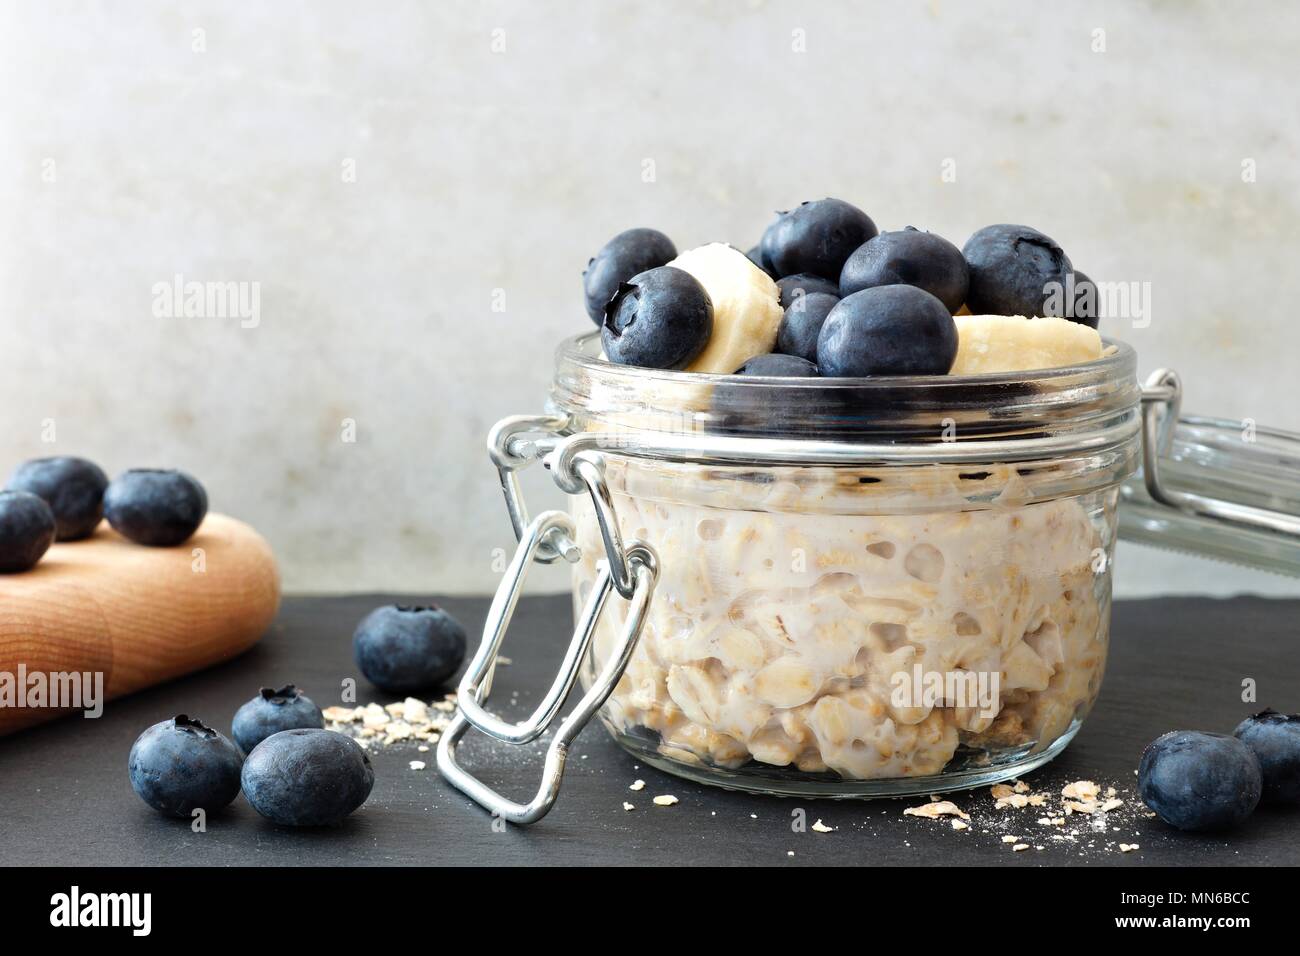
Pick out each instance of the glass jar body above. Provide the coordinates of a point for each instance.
(878, 628)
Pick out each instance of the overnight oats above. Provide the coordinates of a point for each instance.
(843, 509)
(856, 629)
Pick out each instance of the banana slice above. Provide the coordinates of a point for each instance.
(1013, 343)
(746, 306)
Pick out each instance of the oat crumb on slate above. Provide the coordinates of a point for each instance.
(1011, 839)
(820, 827)
(1019, 846)
(1128, 847)
(667, 800)
(932, 811)
(959, 824)
(417, 764)
(628, 806)
(637, 785)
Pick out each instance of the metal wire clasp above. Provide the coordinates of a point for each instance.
(1164, 390)
(632, 571)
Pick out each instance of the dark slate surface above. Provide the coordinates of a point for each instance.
(1175, 663)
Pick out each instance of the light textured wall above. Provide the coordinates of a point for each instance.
(133, 148)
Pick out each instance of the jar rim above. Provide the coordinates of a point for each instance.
(583, 351)
(598, 395)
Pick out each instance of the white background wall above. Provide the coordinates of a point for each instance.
(133, 148)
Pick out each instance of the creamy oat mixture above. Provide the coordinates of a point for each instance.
(776, 628)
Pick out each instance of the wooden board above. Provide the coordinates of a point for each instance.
(134, 614)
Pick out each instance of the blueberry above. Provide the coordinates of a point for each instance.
(788, 366)
(180, 765)
(802, 323)
(156, 507)
(792, 287)
(1015, 270)
(658, 319)
(1275, 739)
(1199, 781)
(406, 649)
(72, 487)
(307, 777)
(272, 711)
(755, 255)
(1086, 305)
(817, 237)
(26, 530)
(909, 257)
(618, 260)
(890, 330)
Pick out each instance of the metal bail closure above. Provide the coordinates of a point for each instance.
(476, 685)
(1163, 389)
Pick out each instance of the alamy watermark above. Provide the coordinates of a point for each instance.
(976, 690)
(180, 299)
(58, 690)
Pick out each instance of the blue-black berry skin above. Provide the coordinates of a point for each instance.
(755, 255)
(890, 330)
(72, 487)
(1014, 271)
(180, 765)
(407, 649)
(307, 777)
(27, 530)
(802, 324)
(776, 365)
(1199, 781)
(1275, 740)
(1086, 306)
(627, 254)
(271, 711)
(791, 287)
(156, 507)
(909, 257)
(658, 319)
(817, 238)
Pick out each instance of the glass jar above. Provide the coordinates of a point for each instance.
(830, 587)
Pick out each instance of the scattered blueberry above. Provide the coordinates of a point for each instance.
(180, 765)
(788, 366)
(909, 257)
(156, 507)
(1275, 739)
(658, 319)
(272, 711)
(1014, 271)
(1086, 305)
(1199, 781)
(802, 323)
(72, 487)
(628, 253)
(792, 287)
(817, 237)
(890, 330)
(26, 530)
(307, 777)
(407, 649)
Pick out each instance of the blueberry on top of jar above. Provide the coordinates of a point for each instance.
(888, 330)
(817, 237)
(792, 287)
(909, 257)
(1015, 270)
(658, 319)
(802, 324)
(630, 252)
